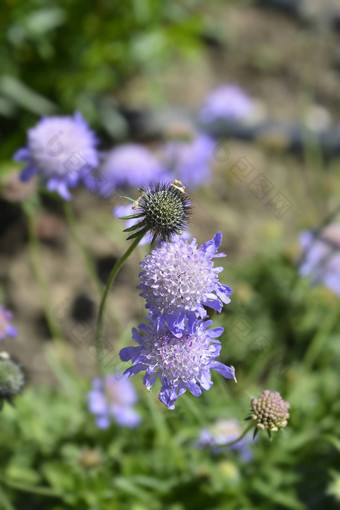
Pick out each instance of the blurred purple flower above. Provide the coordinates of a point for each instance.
(62, 150)
(113, 397)
(223, 432)
(180, 363)
(178, 280)
(190, 160)
(321, 257)
(126, 165)
(6, 328)
(126, 210)
(228, 102)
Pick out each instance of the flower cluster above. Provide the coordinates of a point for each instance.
(113, 397)
(189, 158)
(129, 164)
(62, 150)
(270, 411)
(178, 280)
(228, 102)
(180, 363)
(321, 256)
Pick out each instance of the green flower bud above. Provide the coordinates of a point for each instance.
(163, 210)
(11, 378)
(269, 411)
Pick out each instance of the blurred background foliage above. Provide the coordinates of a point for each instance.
(61, 56)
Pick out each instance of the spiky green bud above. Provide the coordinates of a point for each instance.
(163, 210)
(11, 378)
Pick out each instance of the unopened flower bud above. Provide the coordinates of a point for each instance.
(11, 378)
(269, 411)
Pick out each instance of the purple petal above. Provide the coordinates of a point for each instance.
(227, 372)
(128, 353)
(27, 173)
(194, 389)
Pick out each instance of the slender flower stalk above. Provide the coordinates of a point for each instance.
(100, 323)
(240, 437)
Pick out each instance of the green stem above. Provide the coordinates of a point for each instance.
(39, 274)
(69, 215)
(112, 277)
(320, 338)
(43, 491)
(231, 443)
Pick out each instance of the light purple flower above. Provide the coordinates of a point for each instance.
(321, 256)
(178, 279)
(62, 150)
(126, 210)
(228, 102)
(180, 363)
(222, 432)
(190, 160)
(126, 165)
(113, 398)
(6, 327)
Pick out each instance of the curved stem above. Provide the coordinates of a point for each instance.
(36, 262)
(43, 491)
(112, 277)
(231, 443)
(69, 215)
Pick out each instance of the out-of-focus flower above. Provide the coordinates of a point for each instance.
(223, 432)
(189, 159)
(130, 164)
(321, 256)
(270, 411)
(6, 327)
(11, 378)
(126, 210)
(113, 398)
(228, 102)
(162, 210)
(180, 363)
(13, 189)
(179, 279)
(62, 150)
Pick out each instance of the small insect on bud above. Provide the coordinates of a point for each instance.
(269, 411)
(163, 210)
(11, 378)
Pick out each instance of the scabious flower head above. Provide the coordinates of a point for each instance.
(321, 256)
(180, 363)
(62, 150)
(122, 211)
(222, 432)
(130, 164)
(113, 398)
(178, 279)
(11, 378)
(6, 327)
(162, 210)
(228, 102)
(189, 159)
(269, 411)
